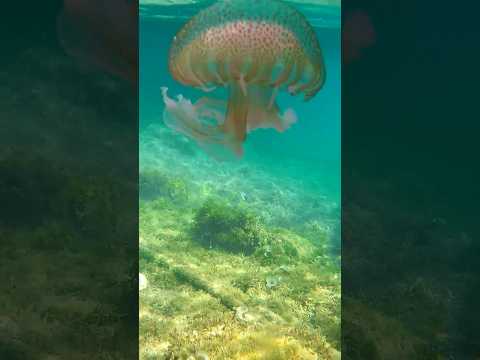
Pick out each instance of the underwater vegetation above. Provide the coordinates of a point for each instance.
(154, 184)
(236, 229)
(254, 48)
(218, 225)
(223, 284)
(229, 305)
(44, 259)
(27, 187)
(423, 251)
(283, 200)
(68, 244)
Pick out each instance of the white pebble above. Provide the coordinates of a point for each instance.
(142, 281)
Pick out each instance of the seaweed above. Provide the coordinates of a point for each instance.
(155, 184)
(233, 229)
(213, 296)
(29, 186)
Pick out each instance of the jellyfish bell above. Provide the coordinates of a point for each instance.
(254, 48)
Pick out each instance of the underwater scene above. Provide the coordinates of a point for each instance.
(239, 235)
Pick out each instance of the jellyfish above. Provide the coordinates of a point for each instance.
(102, 33)
(253, 48)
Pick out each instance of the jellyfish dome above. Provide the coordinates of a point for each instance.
(255, 48)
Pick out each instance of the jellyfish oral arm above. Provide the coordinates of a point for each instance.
(235, 125)
(213, 121)
(265, 113)
(251, 109)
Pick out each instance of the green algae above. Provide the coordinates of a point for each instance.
(155, 184)
(61, 293)
(207, 268)
(218, 225)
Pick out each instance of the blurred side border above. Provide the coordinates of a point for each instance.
(68, 189)
(410, 248)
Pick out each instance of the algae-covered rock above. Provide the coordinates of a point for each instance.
(233, 229)
(155, 184)
(237, 230)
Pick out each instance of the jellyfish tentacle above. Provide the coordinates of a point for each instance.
(272, 98)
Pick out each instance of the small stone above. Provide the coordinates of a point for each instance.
(201, 355)
(241, 314)
(142, 282)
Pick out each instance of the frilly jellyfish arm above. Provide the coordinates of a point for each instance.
(201, 121)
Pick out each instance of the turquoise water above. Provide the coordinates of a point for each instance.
(311, 147)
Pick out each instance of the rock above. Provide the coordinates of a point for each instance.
(142, 282)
